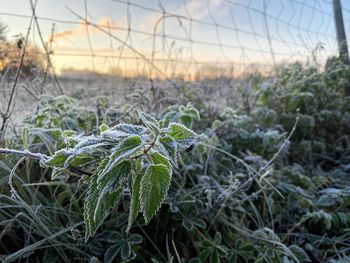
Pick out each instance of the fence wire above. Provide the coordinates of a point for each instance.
(191, 39)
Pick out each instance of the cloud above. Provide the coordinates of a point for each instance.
(200, 9)
(197, 9)
(80, 29)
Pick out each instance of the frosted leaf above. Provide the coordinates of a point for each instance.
(158, 158)
(150, 122)
(125, 148)
(102, 196)
(58, 159)
(168, 147)
(122, 131)
(154, 188)
(182, 135)
(134, 199)
(88, 144)
(169, 117)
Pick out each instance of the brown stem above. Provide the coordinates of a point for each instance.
(146, 150)
(7, 114)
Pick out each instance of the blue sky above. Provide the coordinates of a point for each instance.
(221, 31)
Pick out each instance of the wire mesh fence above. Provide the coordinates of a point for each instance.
(190, 38)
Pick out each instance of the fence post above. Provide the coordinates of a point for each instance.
(341, 37)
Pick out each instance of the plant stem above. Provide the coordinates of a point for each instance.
(25, 153)
(7, 114)
(38, 156)
(145, 151)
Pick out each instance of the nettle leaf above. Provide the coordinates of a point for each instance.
(182, 135)
(122, 247)
(193, 112)
(135, 239)
(103, 195)
(131, 129)
(299, 253)
(85, 142)
(135, 199)
(87, 145)
(150, 122)
(126, 251)
(111, 182)
(111, 253)
(170, 116)
(158, 158)
(154, 187)
(168, 147)
(89, 208)
(84, 145)
(58, 159)
(127, 147)
(123, 130)
(148, 190)
(103, 127)
(186, 120)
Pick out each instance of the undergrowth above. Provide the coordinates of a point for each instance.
(264, 183)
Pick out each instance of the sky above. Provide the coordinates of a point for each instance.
(163, 36)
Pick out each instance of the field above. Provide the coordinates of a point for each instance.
(256, 170)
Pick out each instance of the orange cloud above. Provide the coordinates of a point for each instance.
(80, 29)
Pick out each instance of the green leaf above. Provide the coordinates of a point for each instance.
(114, 237)
(299, 253)
(86, 145)
(123, 130)
(89, 208)
(214, 257)
(69, 133)
(125, 251)
(150, 122)
(158, 158)
(204, 255)
(25, 137)
(186, 120)
(217, 238)
(111, 184)
(135, 239)
(193, 112)
(126, 148)
(103, 195)
(221, 251)
(104, 127)
(111, 253)
(58, 159)
(154, 187)
(198, 222)
(170, 116)
(87, 142)
(94, 260)
(54, 133)
(135, 200)
(182, 135)
(187, 224)
(168, 147)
